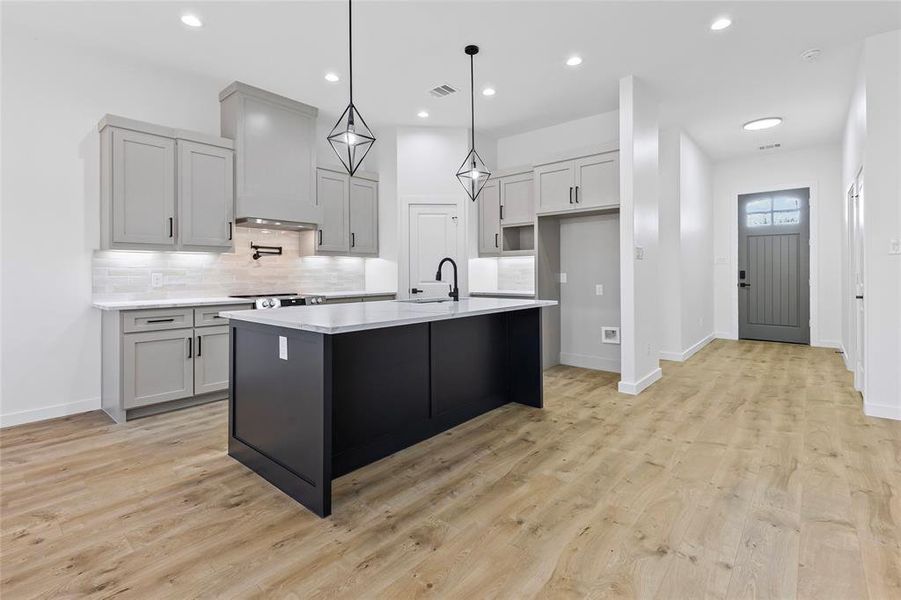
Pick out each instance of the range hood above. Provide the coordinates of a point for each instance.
(258, 223)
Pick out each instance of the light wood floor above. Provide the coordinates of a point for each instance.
(749, 471)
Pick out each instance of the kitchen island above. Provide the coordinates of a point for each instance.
(318, 391)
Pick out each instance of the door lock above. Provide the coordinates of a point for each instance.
(415, 291)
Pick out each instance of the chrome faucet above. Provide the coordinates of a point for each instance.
(455, 292)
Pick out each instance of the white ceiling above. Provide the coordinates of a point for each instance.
(709, 82)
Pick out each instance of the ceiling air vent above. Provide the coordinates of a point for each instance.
(442, 90)
(769, 147)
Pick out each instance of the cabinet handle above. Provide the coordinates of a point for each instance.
(570, 194)
(190, 346)
(495, 241)
(171, 226)
(577, 194)
(229, 230)
(160, 320)
(502, 212)
(353, 239)
(320, 237)
(199, 338)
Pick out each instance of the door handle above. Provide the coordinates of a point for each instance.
(190, 347)
(858, 297)
(199, 338)
(415, 291)
(570, 194)
(744, 285)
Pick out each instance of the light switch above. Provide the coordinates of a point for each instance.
(895, 247)
(562, 277)
(639, 253)
(156, 280)
(283, 347)
(599, 290)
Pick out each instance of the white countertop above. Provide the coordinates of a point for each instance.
(214, 300)
(343, 318)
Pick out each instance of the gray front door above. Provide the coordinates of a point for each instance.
(774, 266)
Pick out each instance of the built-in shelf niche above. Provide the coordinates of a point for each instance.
(519, 240)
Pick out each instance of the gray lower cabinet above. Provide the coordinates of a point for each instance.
(157, 366)
(154, 360)
(210, 359)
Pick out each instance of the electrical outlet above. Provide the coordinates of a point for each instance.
(894, 247)
(599, 290)
(639, 253)
(562, 277)
(156, 280)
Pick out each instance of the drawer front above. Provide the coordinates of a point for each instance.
(205, 316)
(157, 319)
(379, 298)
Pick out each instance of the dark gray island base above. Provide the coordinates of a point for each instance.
(335, 402)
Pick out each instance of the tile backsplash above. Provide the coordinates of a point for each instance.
(516, 274)
(124, 275)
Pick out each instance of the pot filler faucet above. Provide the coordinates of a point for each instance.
(455, 292)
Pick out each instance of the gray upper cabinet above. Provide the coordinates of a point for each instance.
(157, 367)
(210, 359)
(163, 188)
(141, 179)
(350, 210)
(587, 182)
(517, 198)
(205, 194)
(489, 202)
(364, 217)
(332, 192)
(275, 154)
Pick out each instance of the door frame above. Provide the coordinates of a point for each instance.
(463, 238)
(813, 265)
(857, 331)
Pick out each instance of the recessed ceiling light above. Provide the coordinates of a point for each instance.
(422, 114)
(488, 91)
(191, 20)
(331, 77)
(765, 123)
(720, 24)
(574, 61)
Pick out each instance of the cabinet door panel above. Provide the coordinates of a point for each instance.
(489, 202)
(554, 186)
(364, 217)
(157, 367)
(143, 198)
(206, 195)
(598, 180)
(518, 198)
(211, 359)
(332, 192)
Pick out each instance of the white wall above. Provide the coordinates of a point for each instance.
(639, 191)
(819, 168)
(531, 147)
(52, 98)
(873, 141)
(686, 246)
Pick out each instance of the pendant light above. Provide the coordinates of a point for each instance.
(473, 173)
(351, 138)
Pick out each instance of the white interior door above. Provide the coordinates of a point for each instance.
(433, 235)
(857, 266)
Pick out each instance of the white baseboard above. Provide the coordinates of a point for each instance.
(724, 335)
(883, 411)
(49, 412)
(627, 387)
(687, 353)
(826, 344)
(846, 359)
(587, 361)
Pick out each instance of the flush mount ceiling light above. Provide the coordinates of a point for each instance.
(191, 20)
(765, 123)
(489, 91)
(351, 138)
(332, 78)
(422, 114)
(811, 55)
(720, 24)
(574, 61)
(473, 174)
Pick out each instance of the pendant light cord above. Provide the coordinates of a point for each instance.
(472, 100)
(350, 47)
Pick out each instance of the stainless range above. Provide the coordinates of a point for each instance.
(261, 301)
